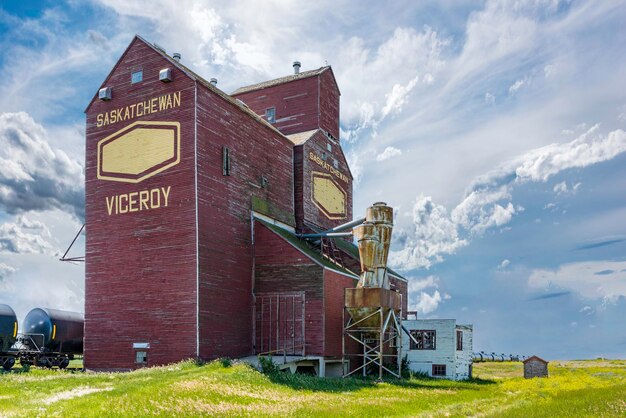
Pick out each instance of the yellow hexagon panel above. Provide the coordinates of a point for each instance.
(139, 151)
(328, 196)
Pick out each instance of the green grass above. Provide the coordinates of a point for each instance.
(576, 388)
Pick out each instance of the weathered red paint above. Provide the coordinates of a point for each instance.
(306, 211)
(144, 269)
(280, 267)
(183, 277)
(301, 105)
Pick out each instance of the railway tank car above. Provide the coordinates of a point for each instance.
(53, 337)
(8, 335)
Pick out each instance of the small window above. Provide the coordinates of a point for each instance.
(426, 339)
(136, 76)
(329, 147)
(225, 161)
(459, 340)
(323, 156)
(270, 115)
(335, 163)
(439, 369)
(141, 357)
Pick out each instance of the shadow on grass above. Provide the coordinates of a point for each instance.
(351, 384)
(22, 369)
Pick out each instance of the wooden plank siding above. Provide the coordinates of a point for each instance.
(140, 271)
(296, 104)
(224, 202)
(317, 145)
(182, 276)
(334, 286)
(143, 269)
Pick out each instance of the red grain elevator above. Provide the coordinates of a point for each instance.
(193, 201)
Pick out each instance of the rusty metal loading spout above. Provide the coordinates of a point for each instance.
(374, 239)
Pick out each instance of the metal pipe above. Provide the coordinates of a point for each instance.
(326, 234)
(409, 334)
(347, 225)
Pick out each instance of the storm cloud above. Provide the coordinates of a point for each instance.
(33, 175)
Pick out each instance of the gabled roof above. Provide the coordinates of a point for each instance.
(191, 74)
(281, 80)
(301, 138)
(302, 246)
(534, 358)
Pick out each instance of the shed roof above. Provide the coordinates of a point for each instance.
(280, 80)
(304, 248)
(301, 137)
(535, 358)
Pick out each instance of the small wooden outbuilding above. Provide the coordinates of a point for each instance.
(535, 367)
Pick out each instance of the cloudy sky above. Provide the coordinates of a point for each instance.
(495, 128)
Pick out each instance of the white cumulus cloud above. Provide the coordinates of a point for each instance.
(516, 86)
(433, 234)
(5, 271)
(388, 153)
(604, 280)
(416, 285)
(427, 303)
(504, 264)
(488, 201)
(24, 237)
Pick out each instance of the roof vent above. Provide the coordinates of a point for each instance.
(105, 93)
(296, 67)
(176, 56)
(214, 81)
(165, 75)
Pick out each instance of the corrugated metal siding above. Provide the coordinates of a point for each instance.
(401, 286)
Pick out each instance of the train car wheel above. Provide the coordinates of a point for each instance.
(64, 363)
(8, 363)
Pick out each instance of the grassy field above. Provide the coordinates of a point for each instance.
(574, 388)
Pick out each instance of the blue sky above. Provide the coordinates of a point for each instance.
(495, 128)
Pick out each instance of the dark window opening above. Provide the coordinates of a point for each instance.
(141, 357)
(424, 339)
(459, 340)
(270, 115)
(439, 369)
(136, 76)
(226, 161)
